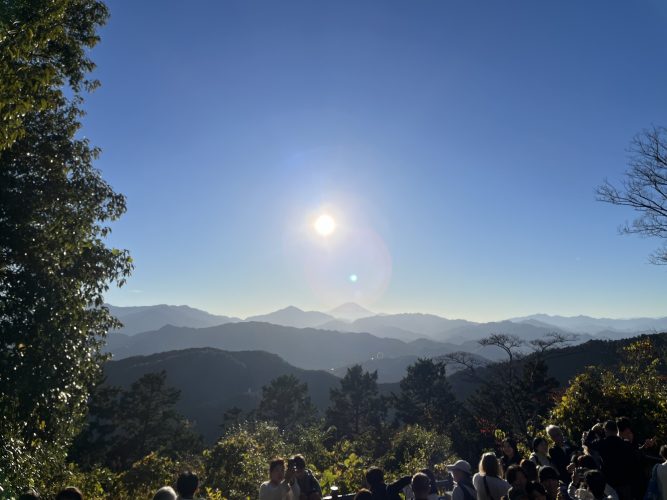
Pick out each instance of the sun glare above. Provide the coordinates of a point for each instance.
(325, 225)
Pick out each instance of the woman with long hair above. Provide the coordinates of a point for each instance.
(488, 482)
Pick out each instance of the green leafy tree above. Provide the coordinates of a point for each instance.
(54, 214)
(125, 426)
(231, 418)
(92, 447)
(426, 397)
(238, 463)
(356, 407)
(149, 474)
(286, 403)
(414, 448)
(148, 422)
(636, 388)
(43, 49)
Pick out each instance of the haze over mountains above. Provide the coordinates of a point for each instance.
(335, 340)
(351, 317)
(221, 362)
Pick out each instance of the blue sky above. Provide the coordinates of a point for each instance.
(457, 144)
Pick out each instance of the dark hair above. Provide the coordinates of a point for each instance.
(512, 444)
(610, 426)
(431, 476)
(516, 494)
(489, 465)
(534, 487)
(663, 451)
(363, 494)
(69, 493)
(538, 441)
(299, 461)
(374, 476)
(588, 462)
(512, 472)
(530, 469)
(623, 423)
(596, 482)
(421, 484)
(547, 473)
(186, 484)
(276, 462)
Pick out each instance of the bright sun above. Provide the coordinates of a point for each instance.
(325, 225)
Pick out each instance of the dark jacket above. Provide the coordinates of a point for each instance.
(309, 484)
(618, 462)
(391, 491)
(560, 458)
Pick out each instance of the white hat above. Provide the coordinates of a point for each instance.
(461, 465)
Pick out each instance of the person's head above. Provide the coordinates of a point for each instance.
(587, 462)
(69, 493)
(530, 469)
(431, 476)
(29, 494)
(421, 485)
(556, 434)
(540, 446)
(277, 470)
(516, 477)
(460, 470)
(610, 428)
(550, 479)
(300, 465)
(165, 493)
(489, 465)
(624, 429)
(509, 448)
(596, 483)
(374, 476)
(663, 452)
(363, 494)
(517, 494)
(187, 484)
(536, 491)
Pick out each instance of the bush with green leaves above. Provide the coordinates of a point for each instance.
(238, 463)
(636, 389)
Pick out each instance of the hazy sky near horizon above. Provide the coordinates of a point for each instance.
(457, 145)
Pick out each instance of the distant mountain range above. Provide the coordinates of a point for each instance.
(145, 318)
(351, 317)
(293, 316)
(334, 341)
(613, 328)
(307, 348)
(350, 312)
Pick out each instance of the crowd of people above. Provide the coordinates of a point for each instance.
(608, 465)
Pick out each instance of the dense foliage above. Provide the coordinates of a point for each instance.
(54, 214)
(285, 401)
(637, 389)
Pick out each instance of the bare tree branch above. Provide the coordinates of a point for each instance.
(644, 188)
(552, 340)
